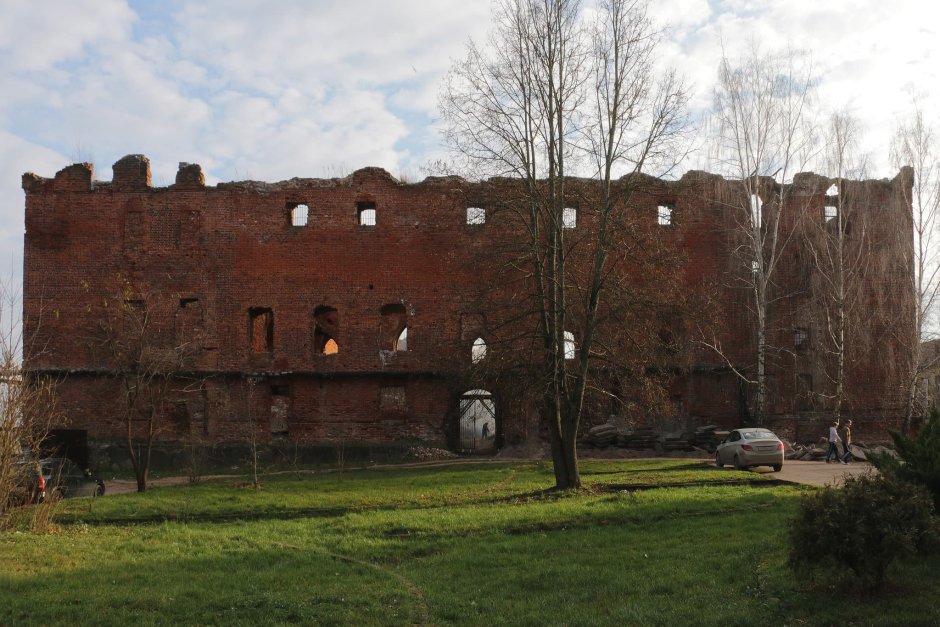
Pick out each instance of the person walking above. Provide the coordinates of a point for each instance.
(834, 440)
(847, 441)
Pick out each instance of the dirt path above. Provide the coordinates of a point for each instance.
(807, 472)
(123, 486)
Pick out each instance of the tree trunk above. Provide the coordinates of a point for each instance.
(563, 440)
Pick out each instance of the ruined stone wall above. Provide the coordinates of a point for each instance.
(223, 268)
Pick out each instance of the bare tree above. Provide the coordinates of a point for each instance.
(150, 367)
(763, 139)
(27, 406)
(552, 94)
(840, 249)
(915, 144)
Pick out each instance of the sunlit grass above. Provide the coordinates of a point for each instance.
(462, 544)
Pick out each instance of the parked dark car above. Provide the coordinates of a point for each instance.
(64, 479)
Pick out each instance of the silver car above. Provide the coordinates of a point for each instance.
(750, 447)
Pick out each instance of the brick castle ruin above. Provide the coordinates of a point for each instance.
(345, 310)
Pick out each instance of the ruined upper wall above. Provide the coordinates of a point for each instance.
(132, 173)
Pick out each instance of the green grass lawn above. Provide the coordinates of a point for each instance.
(474, 544)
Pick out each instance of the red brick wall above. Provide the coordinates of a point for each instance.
(204, 258)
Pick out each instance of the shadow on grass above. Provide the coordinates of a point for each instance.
(696, 465)
(548, 495)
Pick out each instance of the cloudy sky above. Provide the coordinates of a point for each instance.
(280, 88)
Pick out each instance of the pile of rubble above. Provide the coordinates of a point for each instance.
(707, 437)
(704, 438)
(601, 436)
(609, 434)
(426, 454)
(817, 451)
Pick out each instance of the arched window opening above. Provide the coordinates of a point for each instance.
(833, 190)
(325, 330)
(478, 350)
(477, 421)
(569, 345)
(393, 333)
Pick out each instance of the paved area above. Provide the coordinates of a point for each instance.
(817, 473)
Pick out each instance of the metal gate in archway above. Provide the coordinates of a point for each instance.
(477, 421)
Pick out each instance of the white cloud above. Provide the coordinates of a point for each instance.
(36, 35)
(18, 155)
(333, 42)
(295, 88)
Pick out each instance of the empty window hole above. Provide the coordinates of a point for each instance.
(365, 213)
(393, 333)
(261, 329)
(476, 215)
(325, 330)
(664, 215)
(299, 215)
(478, 350)
(569, 218)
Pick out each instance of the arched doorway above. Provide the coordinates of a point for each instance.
(477, 421)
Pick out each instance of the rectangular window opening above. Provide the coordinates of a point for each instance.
(299, 214)
(365, 213)
(569, 218)
(664, 215)
(805, 393)
(757, 210)
(476, 215)
(830, 212)
(393, 403)
(394, 328)
(800, 339)
(261, 329)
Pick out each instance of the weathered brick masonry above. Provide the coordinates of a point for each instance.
(301, 326)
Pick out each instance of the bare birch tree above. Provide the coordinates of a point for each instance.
(763, 140)
(551, 95)
(915, 144)
(838, 242)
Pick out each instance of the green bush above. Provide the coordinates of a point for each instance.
(863, 526)
(918, 459)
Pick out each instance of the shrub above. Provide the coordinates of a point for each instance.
(862, 526)
(918, 459)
